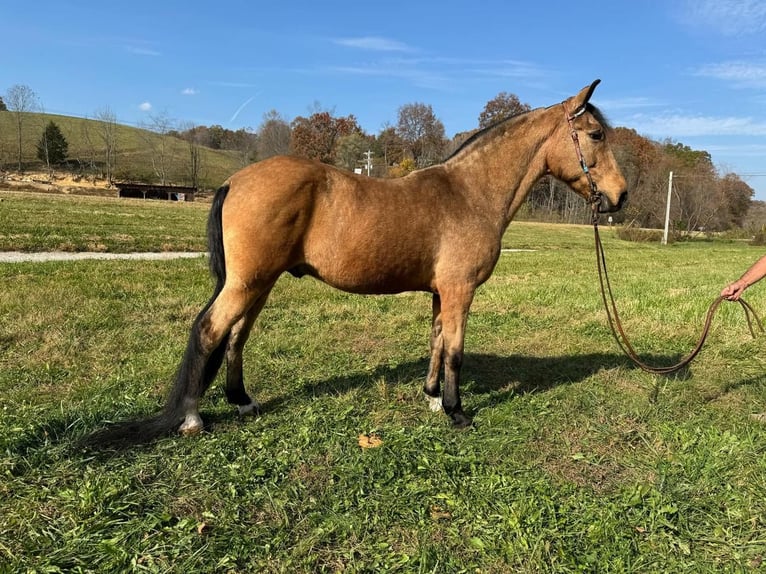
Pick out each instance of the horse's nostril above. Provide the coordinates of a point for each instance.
(622, 200)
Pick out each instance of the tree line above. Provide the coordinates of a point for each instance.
(703, 199)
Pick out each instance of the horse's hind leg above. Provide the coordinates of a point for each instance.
(235, 387)
(204, 354)
(432, 388)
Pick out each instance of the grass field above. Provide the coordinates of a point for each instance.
(578, 461)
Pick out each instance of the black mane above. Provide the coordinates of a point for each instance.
(598, 114)
(484, 131)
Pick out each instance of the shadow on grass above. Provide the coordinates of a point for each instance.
(484, 374)
(487, 379)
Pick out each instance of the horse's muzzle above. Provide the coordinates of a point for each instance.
(606, 206)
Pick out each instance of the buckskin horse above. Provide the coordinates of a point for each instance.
(437, 230)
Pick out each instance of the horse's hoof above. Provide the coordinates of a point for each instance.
(252, 409)
(460, 421)
(434, 403)
(192, 425)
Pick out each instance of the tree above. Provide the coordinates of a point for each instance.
(192, 136)
(316, 137)
(160, 125)
(245, 142)
(391, 146)
(422, 132)
(350, 150)
(501, 107)
(52, 147)
(107, 136)
(737, 197)
(273, 136)
(20, 99)
(3, 107)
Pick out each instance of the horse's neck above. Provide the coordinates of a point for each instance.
(502, 170)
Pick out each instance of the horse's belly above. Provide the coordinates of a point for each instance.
(368, 276)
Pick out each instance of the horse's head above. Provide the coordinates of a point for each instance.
(580, 154)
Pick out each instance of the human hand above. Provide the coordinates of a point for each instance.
(733, 291)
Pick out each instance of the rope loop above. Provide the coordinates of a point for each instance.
(619, 333)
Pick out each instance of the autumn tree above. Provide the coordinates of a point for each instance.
(273, 136)
(316, 136)
(20, 99)
(502, 106)
(422, 133)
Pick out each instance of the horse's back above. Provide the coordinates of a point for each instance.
(357, 233)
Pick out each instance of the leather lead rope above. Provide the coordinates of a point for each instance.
(606, 289)
(619, 333)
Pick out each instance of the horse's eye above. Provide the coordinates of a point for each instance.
(597, 135)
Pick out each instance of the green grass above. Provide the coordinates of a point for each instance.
(578, 462)
(38, 222)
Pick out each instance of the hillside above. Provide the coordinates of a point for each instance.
(135, 150)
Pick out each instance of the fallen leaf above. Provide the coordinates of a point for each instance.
(369, 441)
(439, 514)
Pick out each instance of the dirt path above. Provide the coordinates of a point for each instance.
(21, 257)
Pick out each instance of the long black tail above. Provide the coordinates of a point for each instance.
(195, 373)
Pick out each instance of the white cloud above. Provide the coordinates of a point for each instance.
(728, 17)
(443, 73)
(139, 51)
(145, 107)
(628, 103)
(234, 84)
(189, 92)
(374, 43)
(680, 125)
(740, 74)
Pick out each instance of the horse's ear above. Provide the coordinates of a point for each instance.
(579, 102)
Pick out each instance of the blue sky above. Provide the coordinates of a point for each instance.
(692, 71)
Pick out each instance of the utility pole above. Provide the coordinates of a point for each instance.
(667, 210)
(368, 161)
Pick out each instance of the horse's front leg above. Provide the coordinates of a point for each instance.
(432, 388)
(454, 316)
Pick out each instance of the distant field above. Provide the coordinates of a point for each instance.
(134, 160)
(578, 462)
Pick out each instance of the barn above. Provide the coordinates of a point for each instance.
(152, 191)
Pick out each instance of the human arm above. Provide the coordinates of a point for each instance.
(756, 272)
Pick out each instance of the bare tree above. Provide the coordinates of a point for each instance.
(20, 99)
(160, 125)
(193, 137)
(107, 137)
(422, 132)
(273, 136)
(245, 142)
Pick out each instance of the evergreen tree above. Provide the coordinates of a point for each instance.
(52, 147)
(3, 107)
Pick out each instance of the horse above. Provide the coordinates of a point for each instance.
(437, 229)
